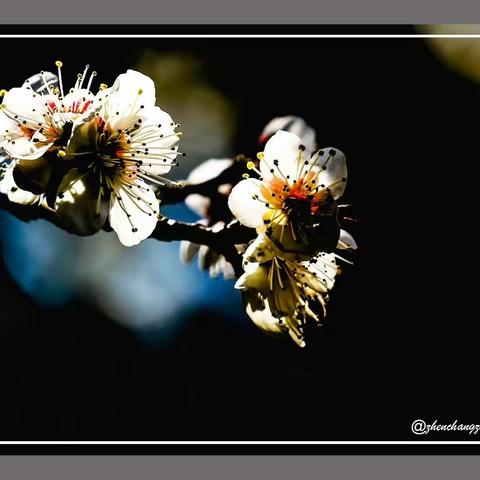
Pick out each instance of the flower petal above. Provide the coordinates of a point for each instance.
(259, 311)
(41, 83)
(98, 105)
(77, 102)
(25, 107)
(9, 130)
(9, 188)
(133, 212)
(332, 165)
(131, 92)
(207, 257)
(198, 204)
(188, 250)
(157, 139)
(284, 153)
(321, 272)
(255, 278)
(261, 250)
(18, 141)
(209, 169)
(202, 173)
(226, 268)
(296, 337)
(293, 124)
(25, 149)
(246, 209)
(346, 241)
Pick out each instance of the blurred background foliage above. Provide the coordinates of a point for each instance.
(207, 116)
(461, 54)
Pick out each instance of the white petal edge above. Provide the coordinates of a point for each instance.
(143, 218)
(209, 169)
(15, 194)
(346, 241)
(188, 251)
(27, 105)
(163, 144)
(249, 212)
(24, 149)
(294, 124)
(283, 147)
(262, 318)
(333, 170)
(130, 91)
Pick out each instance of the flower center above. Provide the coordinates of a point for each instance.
(298, 206)
(111, 147)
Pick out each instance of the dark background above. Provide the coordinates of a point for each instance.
(400, 340)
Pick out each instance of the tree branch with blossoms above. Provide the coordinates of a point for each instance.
(167, 230)
(208, 188)
(89, 162)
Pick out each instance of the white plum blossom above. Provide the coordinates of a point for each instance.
(294, 189)
(203, 206)
(283, 291)
(122, 143)
(94, 159)
(94, 156)
(35, 117)
(212, 213)
(291, 204)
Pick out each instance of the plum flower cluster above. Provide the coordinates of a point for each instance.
(292, 203)
(92, 158)
(214, 212)
(98, 161)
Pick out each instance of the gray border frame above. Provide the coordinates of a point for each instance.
(244, 12)
(238, 467)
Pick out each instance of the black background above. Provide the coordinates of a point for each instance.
(400, 341)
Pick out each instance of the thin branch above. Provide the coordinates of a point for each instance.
(222, 241)
(28, 213)
(209, 188)
(167, 230)
(168, 195)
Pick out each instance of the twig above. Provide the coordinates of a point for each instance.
(232, 174)
(222, 241)
(167, 230)
(28, 213)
